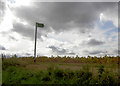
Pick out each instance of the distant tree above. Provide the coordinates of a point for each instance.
(64, 56)
(58, 56)
(89, 56)
(77, 56)
(15, 56)
(52, 56)
(2, 55)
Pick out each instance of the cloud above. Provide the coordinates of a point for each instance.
(94, 42)
(28, 54)
(60, 51)
(117, 51)
(57, 50)
(94, 52)
(2, 47)
(12, 38)
(29, 31)
(63, 15)
(72, 53)
(67, 26)
(2, 9)
(24, 30)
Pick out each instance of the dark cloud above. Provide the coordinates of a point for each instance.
(64, 15)
(2, 9)
(94, 42)
(25, 30)
(57, 50)
(117, 52)
(28, 54)
(28, 30)
(60, 51)
(95, 52)
(119, 17)
(12, 38)
(72, 53)
(2, 47)
(6, 34)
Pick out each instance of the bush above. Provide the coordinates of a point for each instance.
(9, 62)
(100, 69)
(83, 78)
(12, 62)
(107, 80)
(58, 73)
(13, 75)
(69, 74)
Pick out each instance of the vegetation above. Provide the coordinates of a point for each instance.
(81, 71)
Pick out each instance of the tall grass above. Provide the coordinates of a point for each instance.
(15, 72)
(13, 75)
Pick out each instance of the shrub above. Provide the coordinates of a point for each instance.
(13, 75)
(9, 62)
(106, 80)
(100, 69)
(58, 73)
(83, 77)
(12, 62)
(69, 74)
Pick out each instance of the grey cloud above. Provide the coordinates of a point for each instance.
(2, 47)
(60, 51)
(72, 53)
(64, 15)
(28, 54)
(12, 38)
(29, 30)
(6, 33)
(57, 50)
(94, 42)
(95, 52)
(25, 30)
(2, 9)
(117, 52)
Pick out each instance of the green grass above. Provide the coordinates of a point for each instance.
(79, 71)
(53, 75)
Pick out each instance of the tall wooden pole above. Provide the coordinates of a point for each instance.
(35, 42)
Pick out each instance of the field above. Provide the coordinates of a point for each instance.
(61, 70)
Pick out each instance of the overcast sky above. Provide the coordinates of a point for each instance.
(71, 28)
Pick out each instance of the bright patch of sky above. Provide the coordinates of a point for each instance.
(107, 26)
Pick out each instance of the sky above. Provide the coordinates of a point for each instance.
(71, 28)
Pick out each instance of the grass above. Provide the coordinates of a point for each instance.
(61, 70)
(14, 75)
